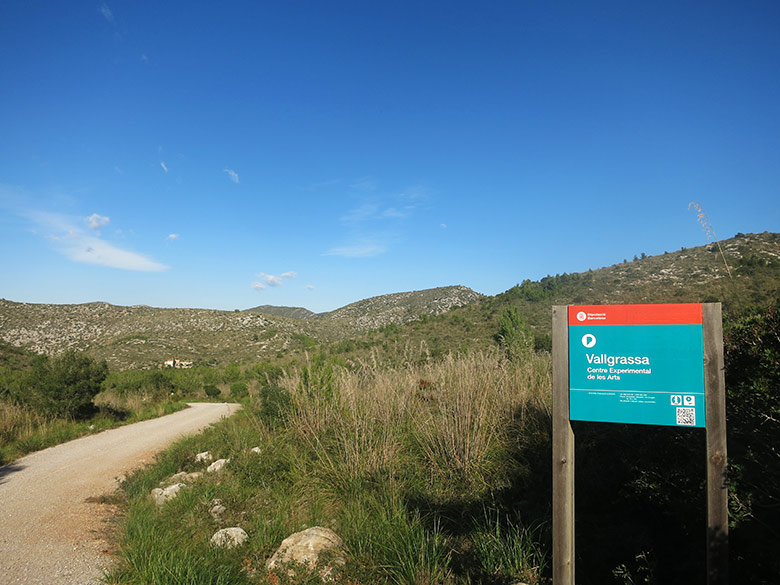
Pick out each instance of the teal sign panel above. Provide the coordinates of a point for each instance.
(640, 372)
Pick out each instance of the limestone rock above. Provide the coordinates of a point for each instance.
(204, 457)
(162, 495)
(305, 547)
(180, 477)
(217, 465)
(229, 537)
(175, 478)
(217, 509)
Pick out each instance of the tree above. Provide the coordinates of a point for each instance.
(514, 334)
(66, 385)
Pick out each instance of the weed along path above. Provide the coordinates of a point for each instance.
(52, 521)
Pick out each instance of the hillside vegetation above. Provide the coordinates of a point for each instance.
(438, 470)
(144, 337)
(423, 439)
(434, 321)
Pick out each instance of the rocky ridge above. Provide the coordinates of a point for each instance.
(144, 337)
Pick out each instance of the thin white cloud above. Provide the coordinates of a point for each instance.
(360, 250)
(74, 244)
(364, 184)
(106, 12)
(270, 279)
(93, 250)
(172, 237)
(96, 221)
(309, 287)
(290, 274)
(414, 193)
(144, 58)
(392, 212)
(364, 212)
(162, 164)
(443, 226)
(259, 286)
(233, 175)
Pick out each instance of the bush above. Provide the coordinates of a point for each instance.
(276, 403)
(211, 390)
(232, 373)
(752, 355)
(65, 386)
(239, 390)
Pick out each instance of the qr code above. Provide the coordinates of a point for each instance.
(686, 416)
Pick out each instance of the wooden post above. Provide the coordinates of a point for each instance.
(563, 454)
(717, 489)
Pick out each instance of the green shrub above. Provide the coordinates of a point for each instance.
(514, 334)
(752, 355)
(239, 390)
(211, 390)
(232, 373)
(267, 373)
(275, 404)
(66, 385)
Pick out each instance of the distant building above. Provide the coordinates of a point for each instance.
(174, 363)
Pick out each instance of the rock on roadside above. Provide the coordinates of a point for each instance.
(305, 548)
(162, 495)
(229, 538)
(217, 465)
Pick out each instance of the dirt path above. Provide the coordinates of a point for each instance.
(51, 528)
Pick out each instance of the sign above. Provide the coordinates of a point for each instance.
(641, 364)
(659, 361)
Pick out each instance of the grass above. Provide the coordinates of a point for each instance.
(24, 431)
(401, 462)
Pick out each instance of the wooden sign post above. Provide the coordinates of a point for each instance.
(639, 364)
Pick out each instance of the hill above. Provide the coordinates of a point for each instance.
(739, 272)
(144, 337)
(401, 307)
(288, 312)
(747, 273)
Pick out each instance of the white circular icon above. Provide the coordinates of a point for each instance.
(581, 316)
(589, 340)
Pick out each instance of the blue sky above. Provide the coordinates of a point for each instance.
(226, 155)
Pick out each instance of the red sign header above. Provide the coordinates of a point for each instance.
(661, 314)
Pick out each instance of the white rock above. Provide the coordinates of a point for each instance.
(305, 547)
(229, 537)
(217, 465)
(175, 478)
(217, 509)
(182, 476)
(257, 450)
(162, 495)
(204, 457)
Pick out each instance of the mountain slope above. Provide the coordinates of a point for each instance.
(288, 312)
(746, 274)
(142, 337)
(739, 272)
(402, 307)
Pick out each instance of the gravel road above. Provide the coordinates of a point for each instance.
(52, 524)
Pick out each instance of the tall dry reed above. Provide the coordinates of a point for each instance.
(451, 418)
